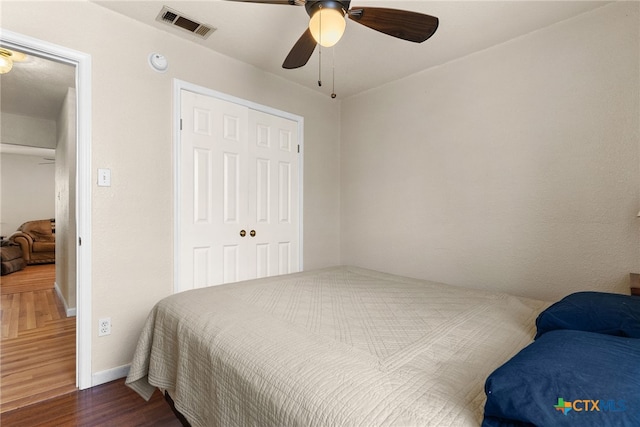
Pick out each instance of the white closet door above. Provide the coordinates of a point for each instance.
(213, 208)
(239, 193)
(273, 194)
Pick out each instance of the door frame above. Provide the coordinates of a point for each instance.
(178, 87)
(82, 63)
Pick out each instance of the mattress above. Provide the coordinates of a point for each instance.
(340, 346)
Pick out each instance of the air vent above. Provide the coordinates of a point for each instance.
(177, 19)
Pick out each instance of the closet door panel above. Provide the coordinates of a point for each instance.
(213, 190)
(274, 192)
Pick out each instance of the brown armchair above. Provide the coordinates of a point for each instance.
(37, 240)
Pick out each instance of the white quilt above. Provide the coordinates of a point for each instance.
(341, 346)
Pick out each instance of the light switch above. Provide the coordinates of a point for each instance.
(104, 177)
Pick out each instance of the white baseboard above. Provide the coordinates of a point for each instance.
(71, 312)
(109, 375)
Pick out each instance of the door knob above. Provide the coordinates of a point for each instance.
(252, 233)
(243, 233)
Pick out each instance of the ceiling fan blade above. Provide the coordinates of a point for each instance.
(288, 2)
(300, 52)
(412, 26)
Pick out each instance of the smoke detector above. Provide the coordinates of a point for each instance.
(179, 20)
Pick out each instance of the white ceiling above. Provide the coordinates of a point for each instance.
(263, 34)
(36, 87)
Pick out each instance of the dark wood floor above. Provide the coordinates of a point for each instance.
(111, 404)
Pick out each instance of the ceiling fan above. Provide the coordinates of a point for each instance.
(327, 25)
(8, 57)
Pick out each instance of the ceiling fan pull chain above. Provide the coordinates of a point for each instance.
(320, 53)
(333, 74)
(319, 65)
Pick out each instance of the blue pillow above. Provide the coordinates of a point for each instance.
(567, 378)
(605, 313)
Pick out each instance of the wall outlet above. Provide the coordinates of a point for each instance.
(104, 327)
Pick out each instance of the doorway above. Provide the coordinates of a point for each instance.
(79, 230)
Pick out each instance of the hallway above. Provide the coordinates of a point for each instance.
(38, 347)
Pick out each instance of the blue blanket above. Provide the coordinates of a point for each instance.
(567, 378)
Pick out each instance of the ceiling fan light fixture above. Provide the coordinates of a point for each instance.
(5, 64)
(15, 55)
(8, 57)
(327, 26)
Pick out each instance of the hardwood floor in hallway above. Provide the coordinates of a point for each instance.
(38, 346)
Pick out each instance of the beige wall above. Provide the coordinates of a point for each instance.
(131, 135)
(65, 199)
(31, 131)
(514, 168)
(26, 190)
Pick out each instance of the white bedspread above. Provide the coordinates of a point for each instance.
(335, 347)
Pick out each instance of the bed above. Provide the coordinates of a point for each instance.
(336, 346)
